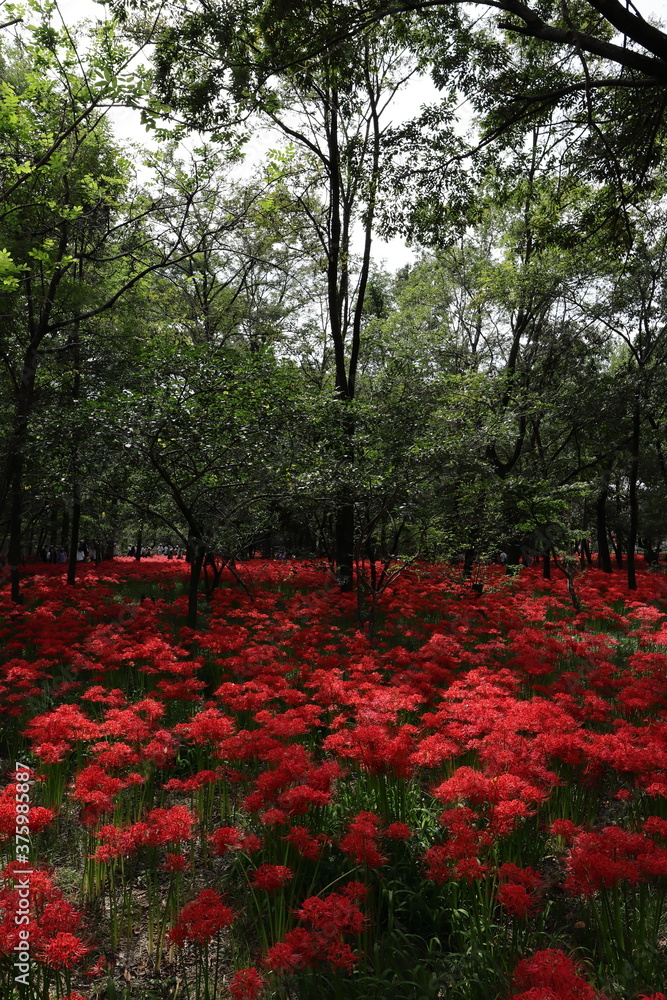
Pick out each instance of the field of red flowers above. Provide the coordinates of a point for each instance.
(473, 806)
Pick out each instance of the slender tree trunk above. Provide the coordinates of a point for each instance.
(28, 541)
(74, 536)
(53, 527)
(634, 501)
(617, 545)
(13, 480)
(345, 546)
(604, 557)
(546, 564)
(16, 509)
(76, 485)
(196, 562)
(586, 553)
(137, 551)
(64, 531)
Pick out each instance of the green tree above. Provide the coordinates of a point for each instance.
(78, 235)
(205, 443)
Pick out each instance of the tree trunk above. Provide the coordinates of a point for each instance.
(14, 554)
(74, 536)
(137, 551)
(53, 527)
(634, 501)
(546, 564)
(585, 550)
(64, 531)
(617, 544)
(196, 561)
(604, 558)
(345, 546)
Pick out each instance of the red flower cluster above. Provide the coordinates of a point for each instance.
(551, 975)
(362, 841)
(517, 718)
(322, 941)
(201, 919)
(520, 892)
(271, 877)
(602, 860)
(246, 984)
(52, 919)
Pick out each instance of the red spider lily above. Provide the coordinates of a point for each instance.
(565, 828)
(330, 918)
(376, 748)
(334, 914)
(297, 950)
(398, 831)
(477, 788)
(251, 843)
(59, 915)
(225, 838)
(552, 970)
(115, 754)
(274, 817)
(516, 900)
(161, 827)
(96, 790)
(50, 913)
(308, 846)
(102, 696)
(535, 705)
(246, 984)
(293, 722)
(655, 826)
(271, 877)
(527, 877)
(201, 919)
(361, 843)
(470, 870)
(39, 817)
(354, 890)
(198, 780)
(100, 967)
(175, 863)
(65, 724)
(63, 951)
(602, 860)
(207, 726)
(170, 826)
